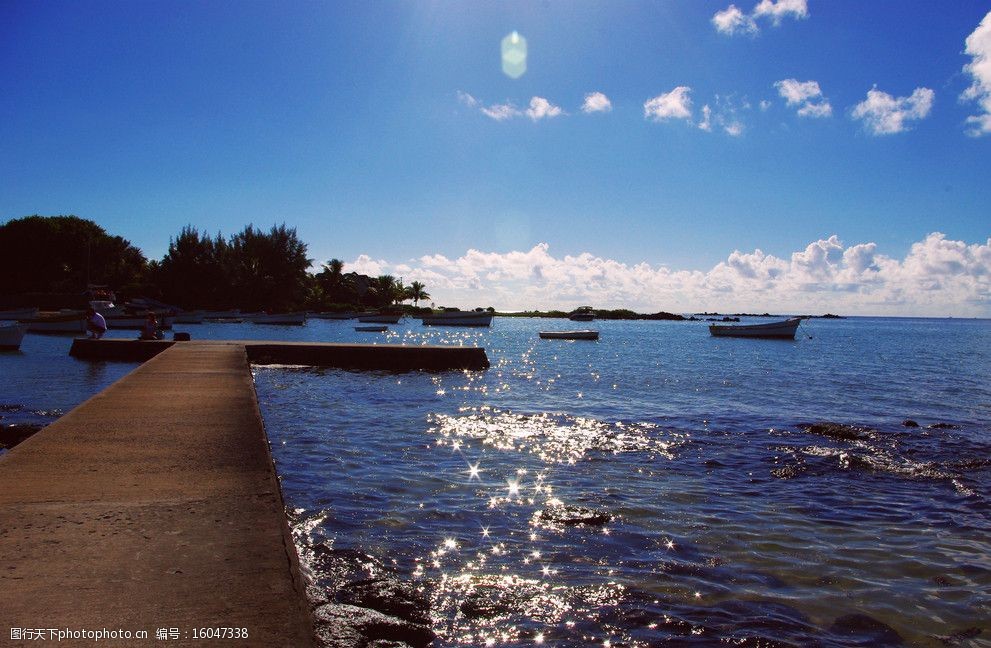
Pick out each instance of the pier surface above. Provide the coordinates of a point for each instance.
(153, 505)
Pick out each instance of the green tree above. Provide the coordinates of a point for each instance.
(62, 254)
(384, 291)
(332, 283)
(192, 273)
(269, 270)
(417, 291)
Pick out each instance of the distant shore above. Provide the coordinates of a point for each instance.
(625, 314)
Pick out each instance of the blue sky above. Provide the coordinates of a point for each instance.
(369, 127)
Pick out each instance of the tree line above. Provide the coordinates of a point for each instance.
(251, 270)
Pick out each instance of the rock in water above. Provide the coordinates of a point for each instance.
(910, 423)
(350, 626)
(389, 596)
(862, 630)
(837, 430)
(11, 435)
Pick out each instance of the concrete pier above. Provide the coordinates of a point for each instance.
(386, 357)
(153, 506)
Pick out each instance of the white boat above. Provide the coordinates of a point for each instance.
(226, 315)
(284, 319)
(136, 322)
(19, 314)
(71, 322)
(783, 330)
(379, 319)
(372, 329)
(458, 318)
(189, 317)
(569, 335)
(583, 314)
(333, 316)
(11, 334)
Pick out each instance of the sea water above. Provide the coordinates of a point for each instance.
(653, 487)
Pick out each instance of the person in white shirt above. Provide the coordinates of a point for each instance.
(95, 324)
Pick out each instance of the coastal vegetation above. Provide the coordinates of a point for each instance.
(51, 261)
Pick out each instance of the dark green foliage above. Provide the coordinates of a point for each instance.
(61, 254)
(268, 270)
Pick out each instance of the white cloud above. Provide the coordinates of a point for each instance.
(467, 99)
(596, 102)
(883, 114)
(937, 276)
(672, 105)
(725, 115)
(776, 11)
(979, 48)
(733, 128)
(731, 21)
(806, 95)
(501, 112)
(706, 123)
(540, 108)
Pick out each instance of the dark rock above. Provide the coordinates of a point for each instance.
(837, 430)
(862, 630)
(942, 426)
(342, 566)
(909, 423)
(389, 596)
(11, 435)
(662, 315)
(962, 635)
(570, 515)
(350, 626)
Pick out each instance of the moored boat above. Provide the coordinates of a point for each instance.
(11, 334)
(333, 316)
(379, 318)
(290, 319)
(70, 322)
(136, 322)
(189, 317)
(19, 314)
(458, 318)
(372, 329)
(783, 330)
(223, 316)
(582, 314)
(569, 335)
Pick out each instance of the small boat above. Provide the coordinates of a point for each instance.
(136, 322)
(189, 317)
(223, 315)
(372, 329)
(11, 334)
(70, 322)
(291, 319)
(378, 318)
(569, 335)
(458, 318)
(582, 314)
(333, 316)
(19, 314)
(783, 330)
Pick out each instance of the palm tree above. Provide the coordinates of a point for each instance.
(331, 280)
(384, 289)
(416, 292)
